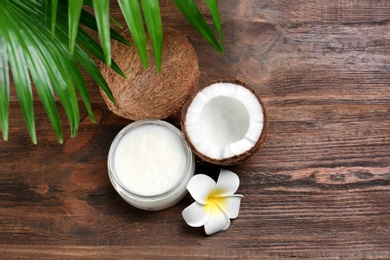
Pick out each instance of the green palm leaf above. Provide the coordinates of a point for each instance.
(15, 48)
(4, 86)
(40, 75)
(54, 6)
(213, 6)
(90, 66)
(89, 20)
(75, 7)
(102, 8)
(34, 52)
(53, 55)
(151, 10)
(193, 15)
(86, 61)
(42, 83)
(90, 43)
(132, 13)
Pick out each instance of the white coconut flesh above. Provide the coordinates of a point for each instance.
(224, 120)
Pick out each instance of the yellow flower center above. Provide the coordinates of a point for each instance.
(215, 203)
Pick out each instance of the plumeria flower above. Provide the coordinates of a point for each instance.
(215, 203)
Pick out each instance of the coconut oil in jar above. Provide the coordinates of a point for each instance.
(150, 164)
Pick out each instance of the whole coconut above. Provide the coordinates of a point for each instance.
(147, 94)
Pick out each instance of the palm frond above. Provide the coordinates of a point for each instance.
(54, 7)
(151, 10)
(131, 10)
(213, 7)
(4, 86)
(89, 21)
(50, 65)
(189, 9)
(74, 10)
(16, 46)
(89, 43)
(102, 13)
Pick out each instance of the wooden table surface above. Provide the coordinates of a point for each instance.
(318, 188)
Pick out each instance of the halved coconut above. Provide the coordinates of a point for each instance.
(225, 123)
(147, 94)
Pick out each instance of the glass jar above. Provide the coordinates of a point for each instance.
(150, 164)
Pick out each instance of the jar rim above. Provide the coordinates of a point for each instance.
(189, 159)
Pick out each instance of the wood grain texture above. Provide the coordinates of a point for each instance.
(319, 188)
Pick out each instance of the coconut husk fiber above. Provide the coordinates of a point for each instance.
(145, 94)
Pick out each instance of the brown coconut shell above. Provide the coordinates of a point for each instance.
(239, 158)
(145, 94)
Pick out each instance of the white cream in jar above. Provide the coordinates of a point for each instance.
(150, 164)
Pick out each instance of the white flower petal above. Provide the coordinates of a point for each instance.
(196, 215)
(227, 184)
(227, 225)
(218, 221)
(230, 205)
(200, 187)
